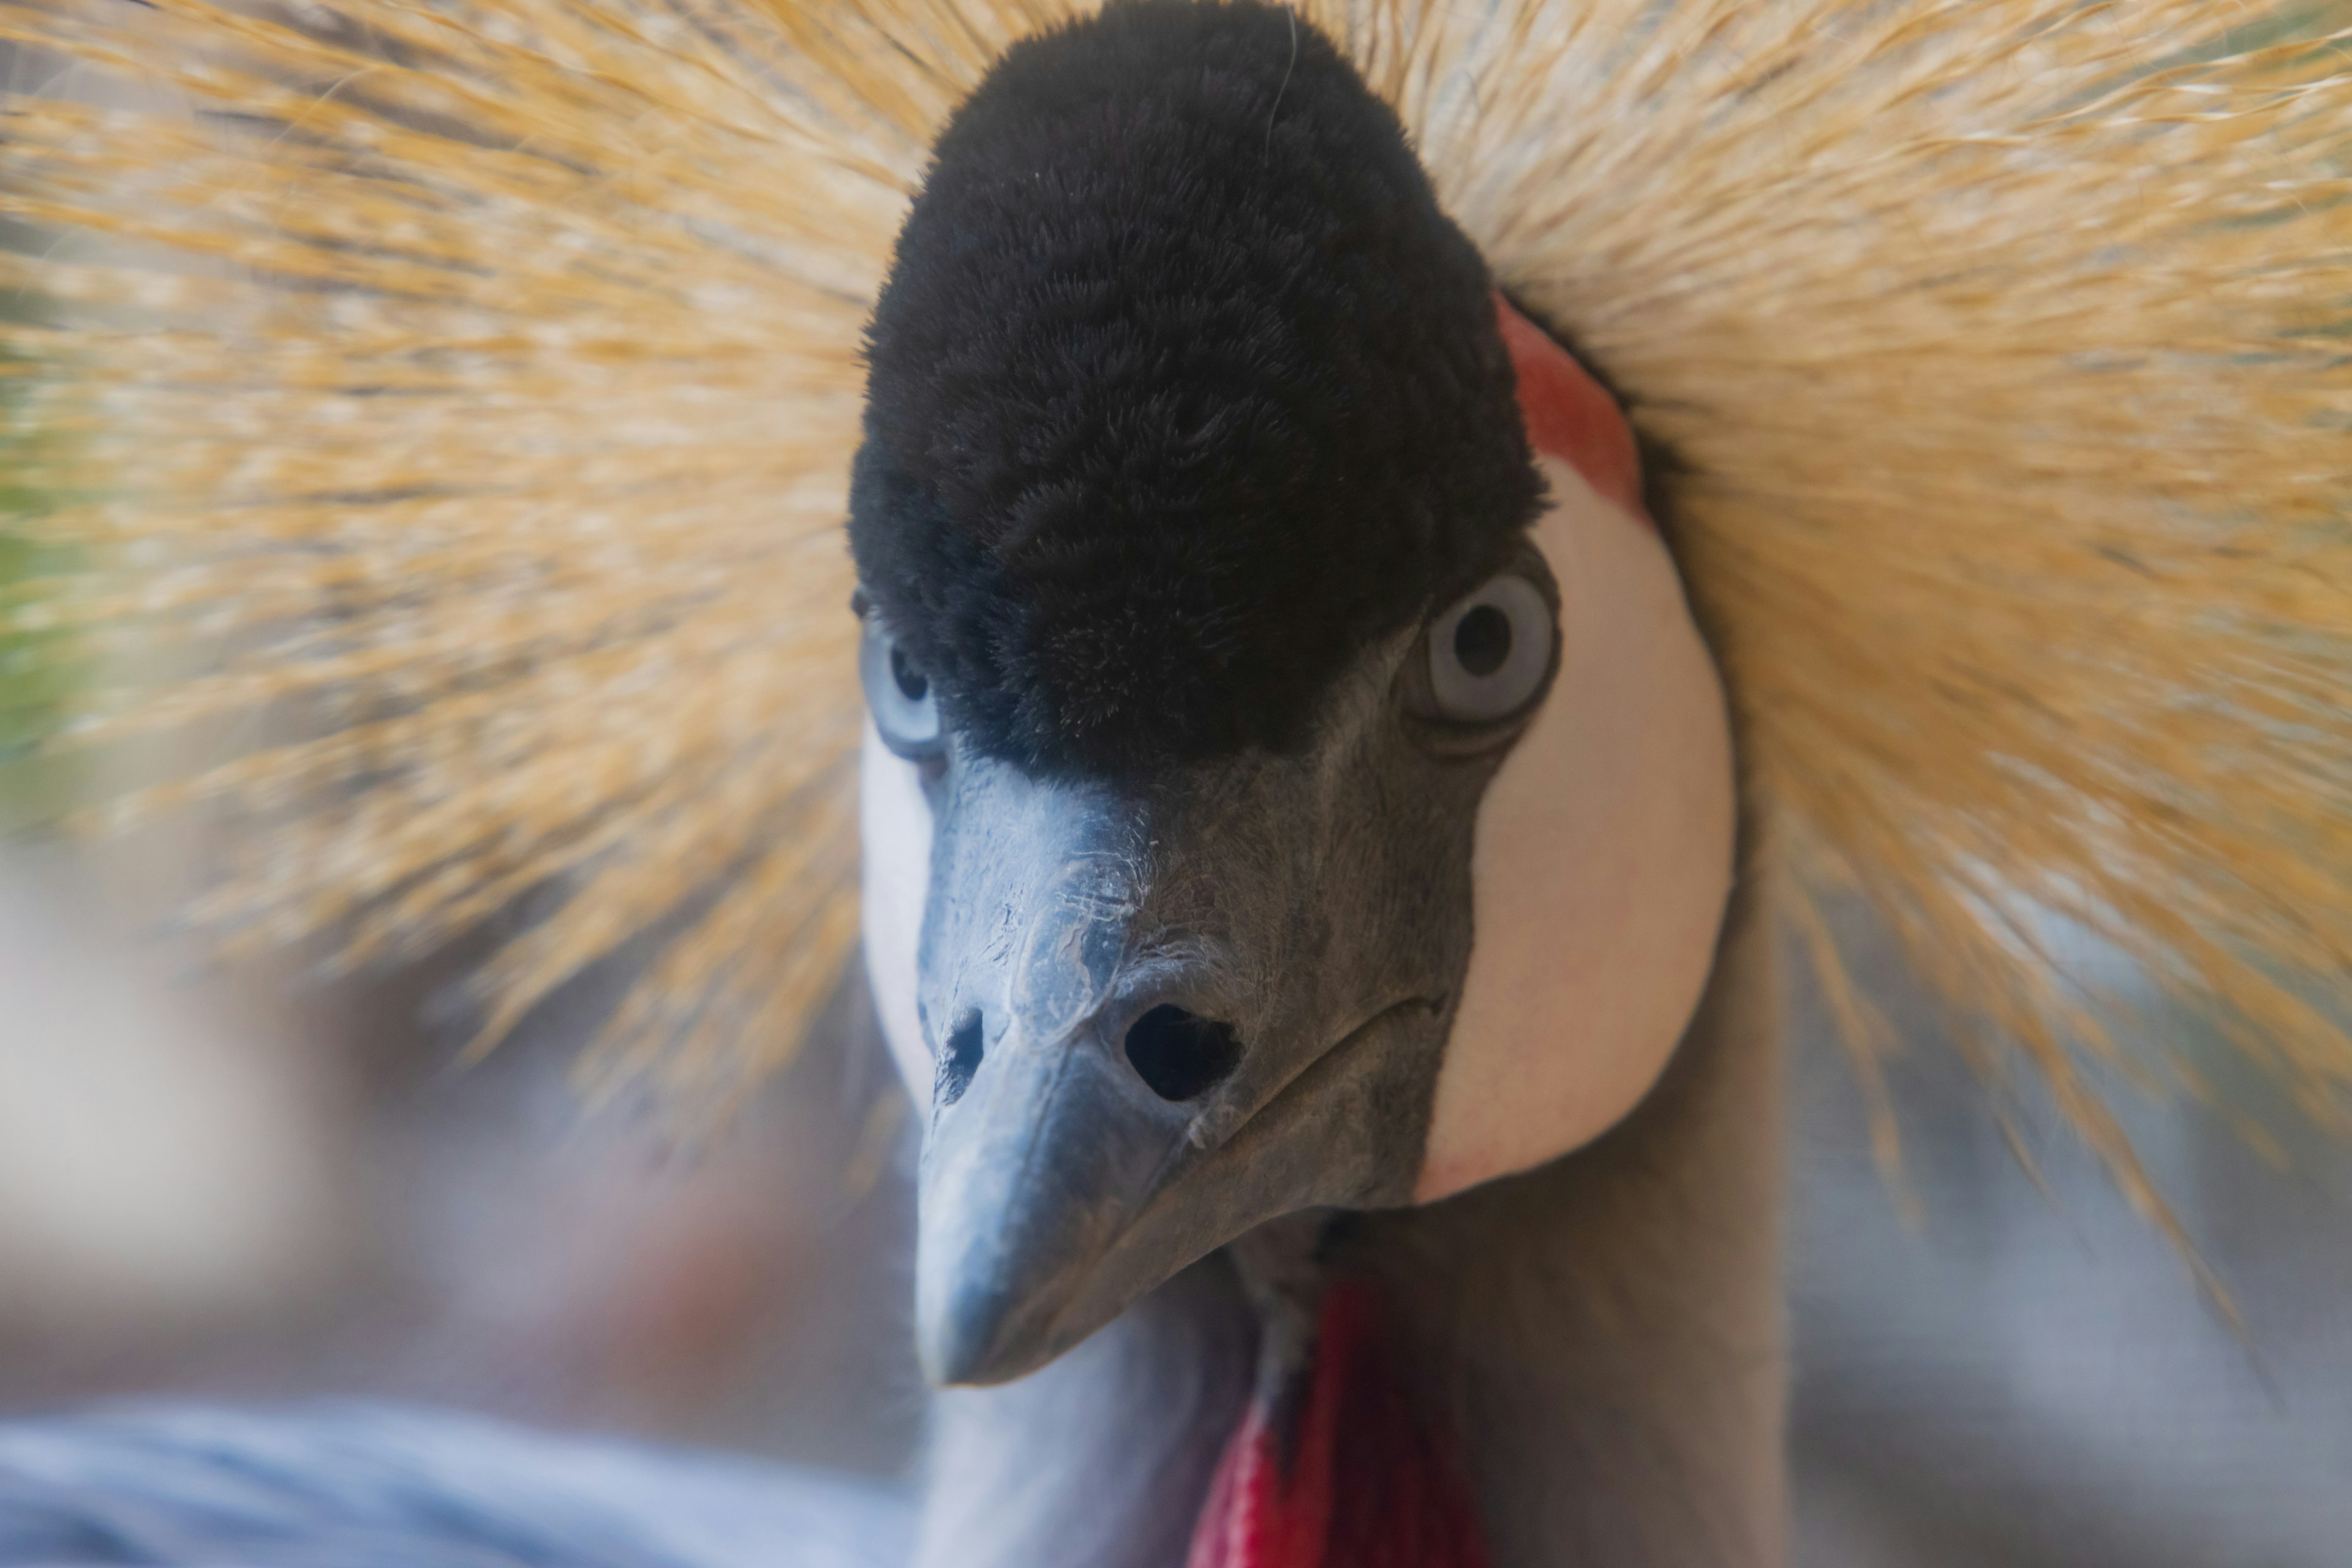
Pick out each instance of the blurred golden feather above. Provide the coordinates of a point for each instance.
(461, 403)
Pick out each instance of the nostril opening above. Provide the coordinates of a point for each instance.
(1182, 1054)
(961, 1059)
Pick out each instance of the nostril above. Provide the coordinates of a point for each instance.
(961, 1059)
(1182, 1054)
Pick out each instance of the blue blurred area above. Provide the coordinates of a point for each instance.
(383, 1487)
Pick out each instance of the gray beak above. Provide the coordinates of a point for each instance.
(1047, 1143)
(1163, 1015)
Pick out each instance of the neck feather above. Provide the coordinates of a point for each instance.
(1605, 1334)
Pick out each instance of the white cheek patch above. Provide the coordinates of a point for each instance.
(1602, 863)
(895, 831)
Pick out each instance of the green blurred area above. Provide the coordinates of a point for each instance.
(39, 669)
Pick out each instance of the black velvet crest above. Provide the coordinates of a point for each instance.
(1182, 390)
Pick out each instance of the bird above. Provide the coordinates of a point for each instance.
(1261, 752)
(1386, 547)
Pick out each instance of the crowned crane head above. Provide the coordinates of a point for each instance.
(1295, 781)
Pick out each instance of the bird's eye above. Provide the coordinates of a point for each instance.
(906, 709)
(1487, 658)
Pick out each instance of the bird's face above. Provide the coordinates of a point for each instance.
(1457, 935)
(1281, 794)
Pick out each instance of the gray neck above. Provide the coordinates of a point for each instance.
(1103, 1458)
(1604, 1336)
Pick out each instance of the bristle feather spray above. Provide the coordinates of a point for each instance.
(444, 411)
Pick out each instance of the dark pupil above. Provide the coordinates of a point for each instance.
(1482, 640)
(914, 686)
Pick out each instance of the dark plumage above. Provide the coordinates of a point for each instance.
(1183, 389)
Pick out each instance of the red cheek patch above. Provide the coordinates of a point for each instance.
(1569, 414)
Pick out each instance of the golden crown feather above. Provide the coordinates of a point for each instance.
(433, 418)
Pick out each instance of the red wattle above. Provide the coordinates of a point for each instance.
(1370, 1482)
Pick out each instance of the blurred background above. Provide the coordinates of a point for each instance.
(258, 1188)
(248, 1186)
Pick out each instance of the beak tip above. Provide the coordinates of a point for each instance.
(1027, 1184)
(953, 1363)
(961, 1338)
